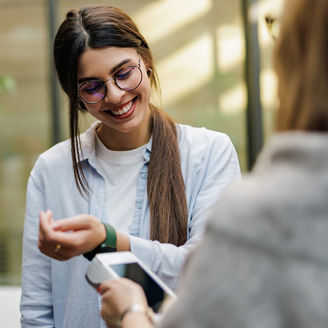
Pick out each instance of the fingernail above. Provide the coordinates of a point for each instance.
(98, 289)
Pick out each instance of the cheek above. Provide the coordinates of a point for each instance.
(91, 108)
(146, 89)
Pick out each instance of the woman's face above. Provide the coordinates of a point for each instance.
(125, 115)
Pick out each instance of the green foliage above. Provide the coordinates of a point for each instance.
(7, 84)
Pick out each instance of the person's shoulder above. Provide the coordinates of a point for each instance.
(59, 151)
(201, 136)
(239, 207)
(186, 130)
(255, 208)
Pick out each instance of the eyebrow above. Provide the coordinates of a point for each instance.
(112, 71)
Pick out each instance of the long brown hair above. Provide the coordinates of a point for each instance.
(105, 26)
(301, 64)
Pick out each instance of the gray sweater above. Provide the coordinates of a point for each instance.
(263, 262)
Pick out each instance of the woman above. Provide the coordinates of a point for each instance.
(134, 181)
(263, 263)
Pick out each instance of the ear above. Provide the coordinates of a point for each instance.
(149, 71)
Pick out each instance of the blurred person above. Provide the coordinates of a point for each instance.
(263, 258)
(136, 180)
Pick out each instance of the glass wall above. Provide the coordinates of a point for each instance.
(198, 46)
(24, 119)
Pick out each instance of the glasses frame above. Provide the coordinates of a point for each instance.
(114, 80)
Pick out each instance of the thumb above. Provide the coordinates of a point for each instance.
(45, 219)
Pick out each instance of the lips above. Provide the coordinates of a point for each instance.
(124, 110)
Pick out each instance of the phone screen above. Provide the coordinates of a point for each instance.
(154, 293)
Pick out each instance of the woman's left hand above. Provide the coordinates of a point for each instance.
(66, 238)
(117, 296)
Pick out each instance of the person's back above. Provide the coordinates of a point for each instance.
(263, 262)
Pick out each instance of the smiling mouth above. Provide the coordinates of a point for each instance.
(124, 111)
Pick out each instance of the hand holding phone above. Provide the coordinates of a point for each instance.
(107, 266)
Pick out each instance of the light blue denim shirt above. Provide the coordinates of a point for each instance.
(56, 294)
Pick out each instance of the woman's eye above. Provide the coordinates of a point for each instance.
(92, 86)
(124, 74)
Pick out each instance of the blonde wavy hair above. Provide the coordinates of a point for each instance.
(301, 64)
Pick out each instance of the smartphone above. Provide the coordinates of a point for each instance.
(107, 266)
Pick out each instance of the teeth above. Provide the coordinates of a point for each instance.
(123, 110)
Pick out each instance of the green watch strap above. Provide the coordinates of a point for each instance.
(110, 240)
(109, 245)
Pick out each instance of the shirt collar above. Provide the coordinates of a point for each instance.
(88, 145)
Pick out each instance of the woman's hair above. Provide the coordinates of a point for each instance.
(301, 64)
(106, 26)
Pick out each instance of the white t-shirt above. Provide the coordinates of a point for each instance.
(120, 169)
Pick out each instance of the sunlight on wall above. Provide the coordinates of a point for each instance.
(174, 71)
(195, 58)
(161, 18)
(230, 52)
(233, 101)
(21, 35)
(230, 46)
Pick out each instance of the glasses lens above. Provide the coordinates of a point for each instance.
(92, 91)
(128, 78)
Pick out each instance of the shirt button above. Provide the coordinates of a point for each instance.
(139, 205)
(143, 175)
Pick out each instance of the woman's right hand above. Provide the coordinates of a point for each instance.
(66, 238)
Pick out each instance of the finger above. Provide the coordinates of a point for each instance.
(48, 235)
(105, 286)
(45, 219)
(48, 215)
(47, 247)
(62, 254)
(73, 240)
(77, 222)
(44, 227)
(106, 314)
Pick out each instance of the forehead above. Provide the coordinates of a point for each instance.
(99, 62)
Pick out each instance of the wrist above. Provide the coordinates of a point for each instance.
(108, 245)
(123, 242)
(103, 234)
(146, 312)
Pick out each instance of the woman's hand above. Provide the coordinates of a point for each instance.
(117, 296)
(66, 238)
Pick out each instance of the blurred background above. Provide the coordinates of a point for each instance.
(214, 63)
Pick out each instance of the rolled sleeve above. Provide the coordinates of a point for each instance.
(166, 260)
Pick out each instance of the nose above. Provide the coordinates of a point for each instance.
(113, 92)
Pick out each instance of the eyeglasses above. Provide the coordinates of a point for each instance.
(273, 25)
(128, 79)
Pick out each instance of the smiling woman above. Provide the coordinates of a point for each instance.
(143, 182)
(119, 100)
